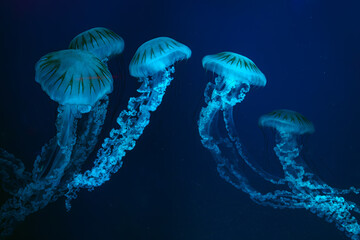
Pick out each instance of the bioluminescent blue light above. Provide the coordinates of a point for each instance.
(153, 65)
(102, 42)
(304, 189)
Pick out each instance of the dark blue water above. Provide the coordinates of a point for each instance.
(168, 187)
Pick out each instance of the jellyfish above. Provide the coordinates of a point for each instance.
(101, 42)
(303, 189)
(235, 75)
(78, 81)
(153, 64)
(309, 191)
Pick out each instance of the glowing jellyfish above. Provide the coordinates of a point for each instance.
(304, 189)
(77, 80)
(102, 42)
(153, 65)
(235, 75)
(307, 190)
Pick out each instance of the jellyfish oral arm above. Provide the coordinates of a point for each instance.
(132, 123)
(222, 97)
(66, 125)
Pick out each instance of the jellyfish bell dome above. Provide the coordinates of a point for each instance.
(100, 41)
(73, 77)
(287, 121)
(156, 55)
(236, 67)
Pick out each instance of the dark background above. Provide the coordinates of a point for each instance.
(168, 187)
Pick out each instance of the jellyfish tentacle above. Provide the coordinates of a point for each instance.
(56, 154)
(226, 158)
(227, 93)
(44, 188)
(66, 125)
(217, 145)
(43, 161)
(89, 132)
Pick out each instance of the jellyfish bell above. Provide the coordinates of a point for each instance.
(156, 55)
(290, 127)
(76, 79)
(236, 73)
(73, 77)
(102, 42)
(234, 66)
(287, 122)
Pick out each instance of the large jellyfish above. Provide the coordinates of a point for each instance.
(235, 75)
(78, 81)
(153, 63)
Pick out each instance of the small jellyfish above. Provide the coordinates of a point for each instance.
(102, 42)
(287, 122)
(308, 190)
(153, 63)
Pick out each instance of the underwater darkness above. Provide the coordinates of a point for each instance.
(168, 187)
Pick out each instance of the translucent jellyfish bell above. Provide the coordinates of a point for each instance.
(287, 121)
(73, 77)
(76, 79)
(234, 66)
(156, 55)
(100, 41)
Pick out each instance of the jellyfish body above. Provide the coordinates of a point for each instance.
(79, 82)
(309, 191)
(304, 189)
(156, 55)
(153, 65)
(102, 42)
